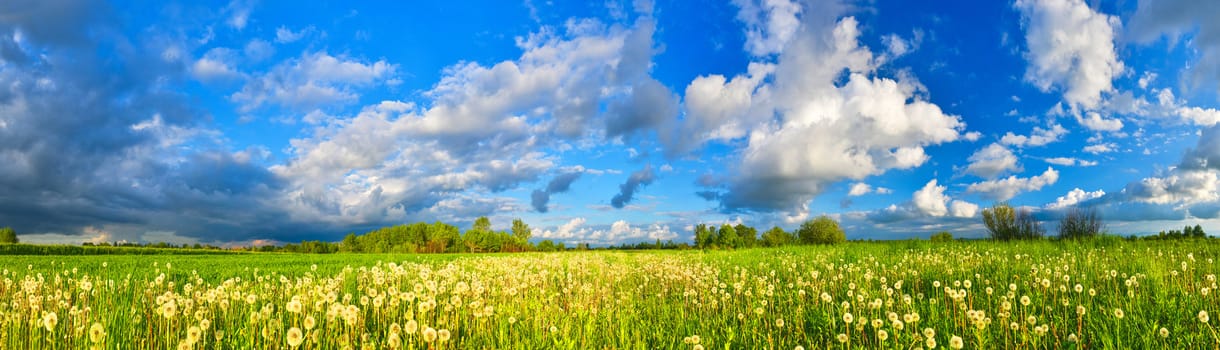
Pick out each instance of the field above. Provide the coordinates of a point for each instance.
(897, 295)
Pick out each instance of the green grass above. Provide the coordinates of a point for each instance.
(628, 300)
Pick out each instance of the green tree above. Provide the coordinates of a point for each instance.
(822, 230)
(776, 237)
(704, 236)
(1198, 232)
(727, 237)
(350, 244)
(749, 235)
(942, 236)
(8, 236)
(1005, 223)
(482, 224)
(521, 230)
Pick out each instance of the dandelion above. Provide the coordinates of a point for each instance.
(1080, 310)
(1072, 338)
(842, 338)
(956, 342)
(847, 317)
(779, 323)
(295, 337)
(798, 347)
(930, 342)
(193, 334)
(1025, 300)
(411, 326)
(310, 322)
(442, 335)
(97, 333)
(430, 334)
(698, 347)
(49, 320)
(1203, 316)
(204, 324)
(929, 333)
(1164, 333)
(882, 335)
(1118, 313)
(294, 306)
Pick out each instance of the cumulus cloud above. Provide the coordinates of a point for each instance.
(283, 35)
(642, 177)
(993, 160)
(540, 197)
(1101, 148)
(1038, 137)
(569, 230)
(815, 116)
(860, 189)
(1006, 188)
(312, 81)
(1094, 121)
(215, 65)
(932, 201)
(770, 24)
(1073, 197)
(1070, 47)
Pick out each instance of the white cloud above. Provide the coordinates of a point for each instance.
(1068, 161)
(1005, 189)
(1188, 187)
(860, 189)
(825, 133)
(215, 65)
(238, 12)
(1038, 137)
(1070, 46)
(1073, 197)
(991, 161)
(570, 230)
(1200, 116)
(313, 80)
(770, 24)
(283, 35)
(1101, 148)
(932, 201)
(1094, 121)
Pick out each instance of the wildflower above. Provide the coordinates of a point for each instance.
(842, 338)
(442, 335)
(1118, 313)
(930, 342)
(294, 306)
(1203, 316)
(1073, 338)
(698, 347)
(847, 317)
(1080, 310)
(97, 333)
(193, 334)
(1025, 300)
(882, 335)
(956, 342)
(1164, 333)
(204, 324)
(411, 326)
(295, 337)
(310, 322)
(929, 332)
(430, 334)
(49, 320)
(779, 323)
(798, 347)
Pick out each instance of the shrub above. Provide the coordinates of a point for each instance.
(1007, 223)
(1080, 223)
(8, 235)
(822, 230)
(942, 236)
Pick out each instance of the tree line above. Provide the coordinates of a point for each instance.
(1005, 222)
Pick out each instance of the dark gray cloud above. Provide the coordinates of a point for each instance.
(642, 177)
(650, 105)
(561, 183)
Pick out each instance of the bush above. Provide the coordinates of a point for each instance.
(942, 236)
(1080, 223)
(822, 230)
(1007, 223)
(8, 235)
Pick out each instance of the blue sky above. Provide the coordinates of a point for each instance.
(248, 122)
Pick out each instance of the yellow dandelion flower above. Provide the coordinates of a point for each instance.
(97, 333)
(956, 342)
(442, 335)
(295, 337)
(430, 334)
